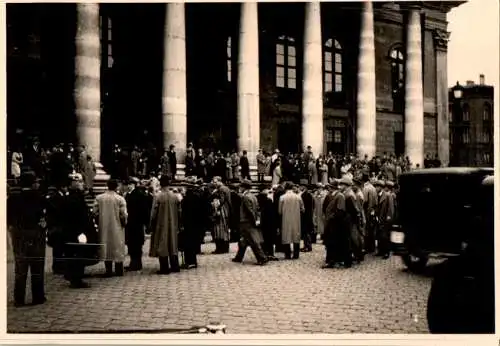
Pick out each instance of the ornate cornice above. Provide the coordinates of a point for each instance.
(441, 38)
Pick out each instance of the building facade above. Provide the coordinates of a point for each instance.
(471, 124)
(343, 77)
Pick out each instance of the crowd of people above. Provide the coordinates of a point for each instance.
(349, 203)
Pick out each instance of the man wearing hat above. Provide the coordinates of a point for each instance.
(138, 208)
(77, 221)
(250, 234)
(267, 223)
(291, 207)
(55, 218)
(307, 226)
(111, 213)
(26, 213)
(261, 166)
(370, 200)
(354, 217)
(385, 216)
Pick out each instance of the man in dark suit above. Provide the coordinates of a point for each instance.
(26, 218)
(250, 234)
(77, 224)
(307, 226)
(193, 225)
(55, 218)
(245, 166)
(172, 161)
(138, 209)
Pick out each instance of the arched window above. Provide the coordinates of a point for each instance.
(396, 57)
(466, 113)
(286, 63)
(332, 66)
(487, 112)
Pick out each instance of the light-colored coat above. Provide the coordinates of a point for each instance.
(290, 207)
(276, 176)
(111, 211)
(319, 219)
(165, 225)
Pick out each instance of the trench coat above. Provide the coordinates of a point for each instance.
(111, 211)
(319, 219)
(290, 208)
(277, 175)
(165, 225)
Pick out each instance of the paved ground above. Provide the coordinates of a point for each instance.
(283, 297)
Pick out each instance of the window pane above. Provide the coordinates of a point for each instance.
(109, 22)
(110, 51)
(338, 83)
(292, 61)
(280, 71)
(337, 137)
(110, 61)
(338, 58)
(337, 45)
(328, 56)
(328, 77)
(394, 54)
(328, 66)
(280, 49)
(328, 43)
(291, 73)
(280, 82)
(229, 65)
(291, 51)
(229, 75)
(228, 52)
(338, 67)
(291, 39)
(280, 59)
(292, 83)
(400, 55)
(109, 34)
(328, 87)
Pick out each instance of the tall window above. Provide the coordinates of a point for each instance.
(107, 39)
(286, 63)
(487, 112)
(466, 136)
(485, 136)
(332, 66)
(466, 113)
(229, 66)
(396, 57)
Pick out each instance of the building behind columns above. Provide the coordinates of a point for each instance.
(471, 123)
(41, 75)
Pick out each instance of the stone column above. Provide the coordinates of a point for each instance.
(174, 97)
(312, 98)
(441, 38)
(366, 106)
(414, 98)
(87, 88)
(248, 82)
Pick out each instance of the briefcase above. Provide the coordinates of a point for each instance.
(86, 252)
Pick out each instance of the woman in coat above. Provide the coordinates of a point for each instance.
(220, 219)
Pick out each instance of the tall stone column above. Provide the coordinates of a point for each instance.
(414, 98)
(174, 97)
(441, 38)
(87, 87)
(366, 106)
(248, 82)
(312, 98)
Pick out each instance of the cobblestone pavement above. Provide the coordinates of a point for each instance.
(283, 297)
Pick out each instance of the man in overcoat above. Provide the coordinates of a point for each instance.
(291, 208)
(267, 223)
(307, 226)
(193, 224)
(26, 214)
(138, 208)
(385, 216)
(250, 234)
(370, 206)
(110, 210)
(77, 221)
(164, 226)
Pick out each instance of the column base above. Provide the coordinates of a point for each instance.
(101, 179)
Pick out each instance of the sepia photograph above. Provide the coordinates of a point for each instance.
(251, 167)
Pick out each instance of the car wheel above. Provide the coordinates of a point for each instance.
(415, 263)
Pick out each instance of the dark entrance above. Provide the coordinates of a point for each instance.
(336, 137)
(289, 137)
(399, 143)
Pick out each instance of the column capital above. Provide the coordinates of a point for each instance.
(441, 38)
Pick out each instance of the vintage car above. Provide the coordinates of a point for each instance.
(436, 209)
(462, 296)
